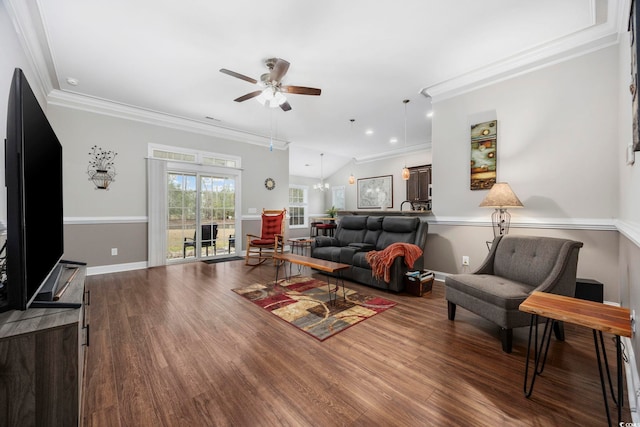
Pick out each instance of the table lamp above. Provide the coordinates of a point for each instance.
(501, 197)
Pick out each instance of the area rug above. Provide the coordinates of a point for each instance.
(217, 260)
(304, 303)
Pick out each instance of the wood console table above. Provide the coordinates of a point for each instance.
(597, 316)
(41, 360)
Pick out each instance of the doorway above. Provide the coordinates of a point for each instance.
(201, 215)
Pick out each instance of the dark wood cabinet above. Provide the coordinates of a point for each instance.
(419, 184)
(41, 362)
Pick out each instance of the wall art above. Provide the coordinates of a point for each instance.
(484, 137)
(375, 192)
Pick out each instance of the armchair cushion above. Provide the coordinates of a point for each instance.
(526, 259)
(271, 225)
(495, 290)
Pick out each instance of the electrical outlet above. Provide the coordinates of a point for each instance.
(465, 260)
(114, 251)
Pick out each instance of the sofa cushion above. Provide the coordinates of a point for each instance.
(397, 229)
(374, 228)
(526, 259)
(496, 290)
(329, 253)
(352, 229)
(359, 260)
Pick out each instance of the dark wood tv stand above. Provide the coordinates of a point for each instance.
(42, 360)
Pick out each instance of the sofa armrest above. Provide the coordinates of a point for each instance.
(323, 241)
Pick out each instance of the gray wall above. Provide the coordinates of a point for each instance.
(628, 215)
(126, 200)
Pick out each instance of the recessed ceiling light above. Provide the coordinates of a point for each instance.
(369, 132)
(393, 140)
(430, 114)
(72, 81)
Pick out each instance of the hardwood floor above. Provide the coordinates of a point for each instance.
(174, 346)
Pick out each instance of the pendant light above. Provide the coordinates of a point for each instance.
(352, 178)
(405, 170)
(321, 186)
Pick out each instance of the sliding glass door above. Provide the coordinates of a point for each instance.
(201, 220)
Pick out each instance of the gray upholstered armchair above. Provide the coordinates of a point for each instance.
(515, 267)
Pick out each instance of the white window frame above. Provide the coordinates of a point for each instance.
(305, 204)
(178, 154)
(338, 202)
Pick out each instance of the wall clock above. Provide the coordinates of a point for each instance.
(269, 184)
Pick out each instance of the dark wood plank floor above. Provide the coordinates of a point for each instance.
(174, 346)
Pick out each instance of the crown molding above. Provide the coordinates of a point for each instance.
(420, 148)
(31, 35)
(128, 112)
(596, 36)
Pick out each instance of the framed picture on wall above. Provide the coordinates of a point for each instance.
(375, 192)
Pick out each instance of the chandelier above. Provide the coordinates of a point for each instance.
(321, 186)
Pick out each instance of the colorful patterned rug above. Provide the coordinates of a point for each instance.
(304, 302)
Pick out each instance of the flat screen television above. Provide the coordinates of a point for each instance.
(33, 178)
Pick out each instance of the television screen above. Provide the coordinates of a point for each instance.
(33, 167)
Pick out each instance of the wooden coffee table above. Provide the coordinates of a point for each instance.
(316, 264)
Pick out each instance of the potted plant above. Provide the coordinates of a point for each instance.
(332, 212)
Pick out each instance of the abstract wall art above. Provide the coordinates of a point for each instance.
(484, 137)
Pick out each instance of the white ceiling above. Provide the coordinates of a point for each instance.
(162, 56)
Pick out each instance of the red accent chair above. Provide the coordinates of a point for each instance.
(271, 239)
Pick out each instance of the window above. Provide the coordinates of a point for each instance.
(337, 197)
(298, 206)
(192, 156)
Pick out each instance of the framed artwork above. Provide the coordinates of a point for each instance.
(633, 87)
(484, 137)
(375, 192)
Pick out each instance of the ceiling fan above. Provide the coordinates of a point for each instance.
(272, 90)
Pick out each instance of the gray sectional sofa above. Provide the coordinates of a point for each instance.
(358, 234)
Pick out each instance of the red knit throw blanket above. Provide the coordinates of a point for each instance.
(381, 261)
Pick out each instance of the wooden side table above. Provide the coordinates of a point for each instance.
(597, 316)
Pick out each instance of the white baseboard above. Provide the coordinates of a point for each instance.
(114, 268)
(633, 380)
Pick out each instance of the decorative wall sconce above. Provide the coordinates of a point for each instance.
(101, 169)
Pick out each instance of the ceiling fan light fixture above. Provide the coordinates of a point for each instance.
(271, 98)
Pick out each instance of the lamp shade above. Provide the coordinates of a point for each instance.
(501, 196)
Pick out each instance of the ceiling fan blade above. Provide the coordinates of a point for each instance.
(248, 96)
(285, 106)
(279, 70)
(238, 75)
(301, 90)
